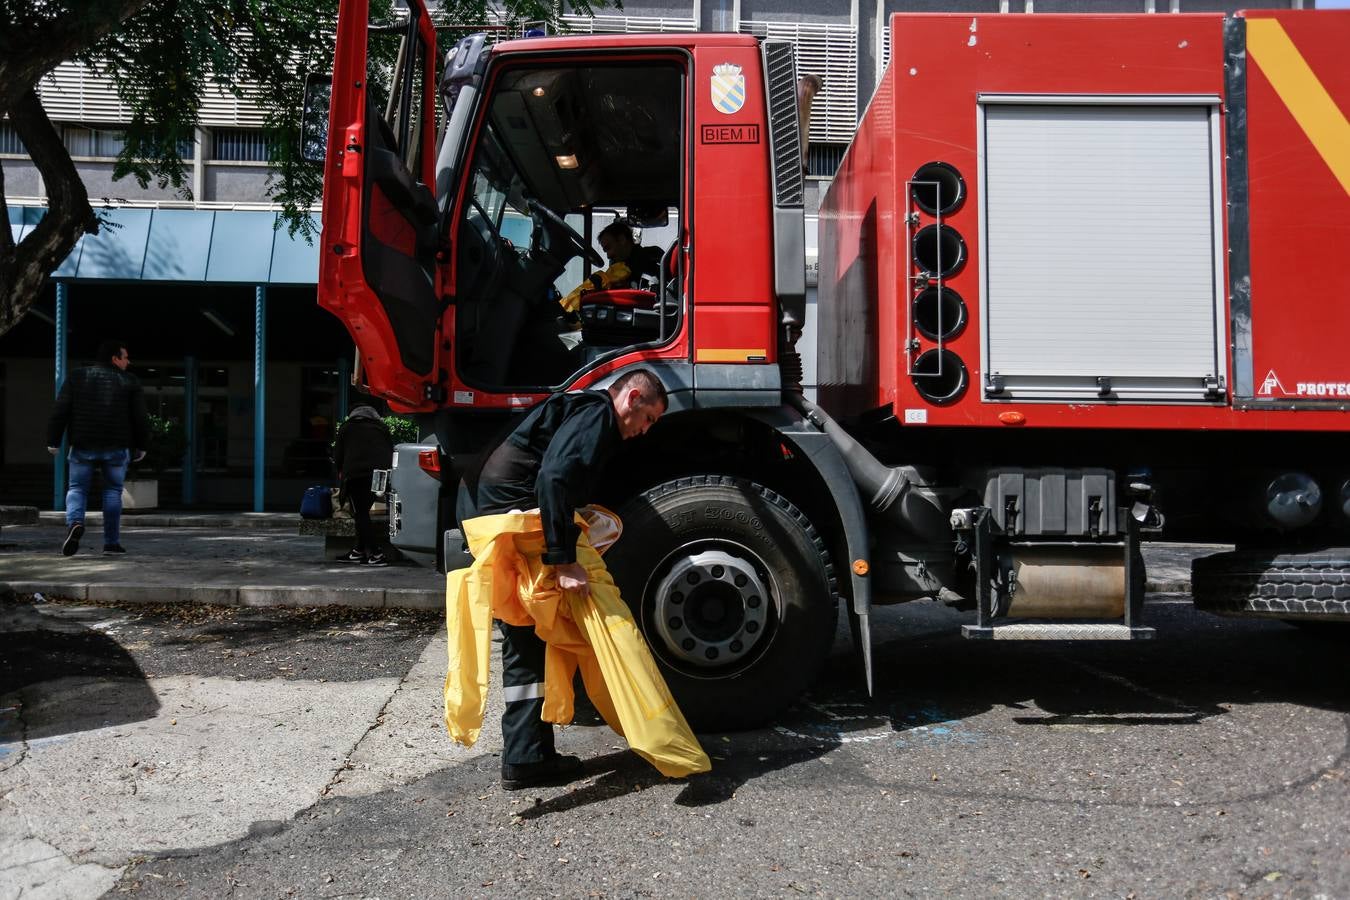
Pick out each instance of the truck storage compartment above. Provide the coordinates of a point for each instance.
(1101, 220)
(1052, 502)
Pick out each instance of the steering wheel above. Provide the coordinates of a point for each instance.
(568, 231)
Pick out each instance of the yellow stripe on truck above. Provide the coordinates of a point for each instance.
(730, 355)
(1296, 83)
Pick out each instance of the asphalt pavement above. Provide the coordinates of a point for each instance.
(291, 745)
(182, 751)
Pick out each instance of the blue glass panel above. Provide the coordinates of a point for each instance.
(71, 264)
(241, 247)
(180, 240)
(118, 250)
(23, 218)
(294, 261)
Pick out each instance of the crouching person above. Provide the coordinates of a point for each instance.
(538, 573)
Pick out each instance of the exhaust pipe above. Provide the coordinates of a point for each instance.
(899, 494)
(807, 87)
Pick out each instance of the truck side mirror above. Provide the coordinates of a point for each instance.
(314, 118)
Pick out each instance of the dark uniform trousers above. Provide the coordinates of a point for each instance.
(526, 738)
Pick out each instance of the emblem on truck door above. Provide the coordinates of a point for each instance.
(728, 88)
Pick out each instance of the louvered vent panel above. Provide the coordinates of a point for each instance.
(780, 65)
(830, 51)
(883, 47)
(75, 93)
(222, 109)
(625, 24)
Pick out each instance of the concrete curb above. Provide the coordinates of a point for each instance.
(241, 595)
(1167, 587)
(259, 521)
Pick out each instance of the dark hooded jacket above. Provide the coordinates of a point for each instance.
(101, 408)
(363, 444)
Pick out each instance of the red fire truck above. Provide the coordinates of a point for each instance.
(1081, 278)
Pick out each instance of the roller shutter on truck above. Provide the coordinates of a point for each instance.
(1102, 263)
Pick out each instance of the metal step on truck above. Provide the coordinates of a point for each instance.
(1082, 278)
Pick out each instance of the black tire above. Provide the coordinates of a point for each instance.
(694, 556)
(1312, 586)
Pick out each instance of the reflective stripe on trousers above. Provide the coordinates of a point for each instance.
(525, 737)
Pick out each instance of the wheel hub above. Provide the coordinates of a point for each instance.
(711, 608)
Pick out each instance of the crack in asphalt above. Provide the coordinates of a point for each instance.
(378, 723)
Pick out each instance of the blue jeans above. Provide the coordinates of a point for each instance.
(113, 464)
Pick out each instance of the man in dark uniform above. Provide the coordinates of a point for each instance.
(552, 461)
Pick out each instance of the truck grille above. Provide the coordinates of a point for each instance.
(780, 74)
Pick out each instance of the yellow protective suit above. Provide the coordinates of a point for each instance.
(618, 275)
(595, 634)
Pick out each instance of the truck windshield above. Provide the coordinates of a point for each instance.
(565, 153)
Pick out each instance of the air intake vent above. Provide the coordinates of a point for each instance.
(780, 74)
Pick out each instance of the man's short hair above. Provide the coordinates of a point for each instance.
(644, 380)
(107, 350)
(616, 228)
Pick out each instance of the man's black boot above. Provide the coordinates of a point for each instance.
(555, 770)
(72, 544)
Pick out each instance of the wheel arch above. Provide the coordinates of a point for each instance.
(771, 446)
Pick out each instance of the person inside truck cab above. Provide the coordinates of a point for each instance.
(629, 263)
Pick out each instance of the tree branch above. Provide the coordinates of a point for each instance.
(24, 269)
(30, 54)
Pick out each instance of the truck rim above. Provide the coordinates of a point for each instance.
(710, 607)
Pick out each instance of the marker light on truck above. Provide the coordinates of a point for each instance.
(430, 462)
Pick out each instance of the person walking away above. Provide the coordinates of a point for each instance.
(101, 409)
(552, 462)
(363, 445)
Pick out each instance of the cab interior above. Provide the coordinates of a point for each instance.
(561, 152)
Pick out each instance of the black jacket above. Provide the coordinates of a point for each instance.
(552, 460)
(102, 408)
(363, 444)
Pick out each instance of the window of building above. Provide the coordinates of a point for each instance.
(106, 142)
(164, 387)
(238, 145)
(822, 160)
(81, 141)
(9, 140)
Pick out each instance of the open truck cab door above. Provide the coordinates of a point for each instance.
(377, 269)
(452, 294)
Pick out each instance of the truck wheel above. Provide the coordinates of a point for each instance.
(733, 590)
(1267, 583)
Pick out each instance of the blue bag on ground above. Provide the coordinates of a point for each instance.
(317, 503)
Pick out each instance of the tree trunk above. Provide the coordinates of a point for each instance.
(27, 57)
(24, 268)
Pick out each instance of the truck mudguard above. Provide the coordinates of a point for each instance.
(820, 451)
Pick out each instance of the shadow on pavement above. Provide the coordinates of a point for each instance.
(929, 683)
(88, 680)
